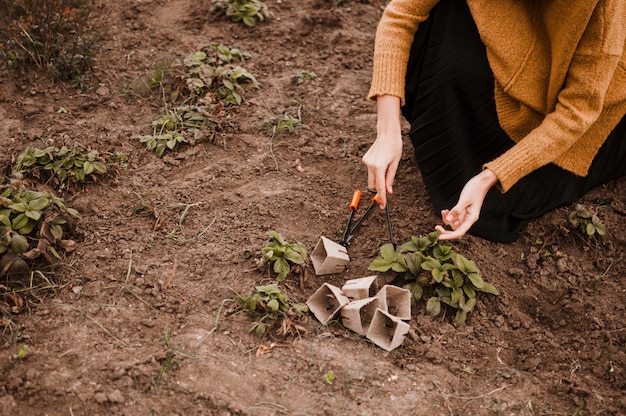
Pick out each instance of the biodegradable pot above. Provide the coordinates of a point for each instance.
(361, 288)
(329, 257)
(357, 315)
(326, 302)
(387, 331)
(396, 301)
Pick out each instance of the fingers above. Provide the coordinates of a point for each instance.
(391, 174)
(459, 220)
(452, 234)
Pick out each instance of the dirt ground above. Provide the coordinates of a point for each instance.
(141, 319)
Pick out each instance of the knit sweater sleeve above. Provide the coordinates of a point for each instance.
(394, 37)
(579, 102)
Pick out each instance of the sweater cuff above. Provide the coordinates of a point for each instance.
(510, 167)
(388, 76)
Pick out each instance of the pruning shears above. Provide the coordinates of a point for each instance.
(348, 233)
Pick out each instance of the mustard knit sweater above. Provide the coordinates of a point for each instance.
(559, 69)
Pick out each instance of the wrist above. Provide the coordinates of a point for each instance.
(488, 177)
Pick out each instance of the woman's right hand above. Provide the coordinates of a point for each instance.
(383, 157)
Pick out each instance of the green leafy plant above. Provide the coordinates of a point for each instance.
(330, 377)
(23, 352)
(585, 221)
(284, 257)
(206, 81)
(53, 35)
(428, 264)
(32, 223)
(248, 12)
(283, 124)
(268, 305)
(185, 124)
(60, 166)
(211, 73)
(303, 77)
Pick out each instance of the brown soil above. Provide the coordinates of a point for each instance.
(141, 319)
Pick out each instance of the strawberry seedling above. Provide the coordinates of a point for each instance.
(248, 12)
(587, 222)
(284, 257)
(60, 167)
(269, 304)
(425, 263)
(32, 223)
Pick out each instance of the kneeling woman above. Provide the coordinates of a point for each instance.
(516, 107)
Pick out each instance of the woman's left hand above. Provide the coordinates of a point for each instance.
(466, 212)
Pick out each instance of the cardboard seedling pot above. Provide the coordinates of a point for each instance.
(326, 302)
(357, 315)
(387, 331)
(329, 257)
(364, 287)
(396, 301)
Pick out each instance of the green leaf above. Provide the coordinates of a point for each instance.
(489, 288)
(414, 262)
(442, 252)
(380, 264)
(35, 215)
(88, 168)
(300, 308)
(399, 266)
(293, 256)
(465, 265)
(600, 229)
(387, 251)
(460, 317)
(19, 207)
(476, 280)
(273, 305)
(19, 244)
(433, 306)
(73, 212)
(469, 290)
(282, 269)
(456, 296)
(457, 278)
(468, 305)
(416, 292)
(275, 236)
(100, 167)
(258, 327)
(431, 264)
(20, 221)
(271, 289)
(38, 204)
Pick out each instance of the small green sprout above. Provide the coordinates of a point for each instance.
(304, 77)
(185, 124)
(329, 377)
(269, 304)
(586, 221)
(284, 257)
(22, 352)
(248, 12)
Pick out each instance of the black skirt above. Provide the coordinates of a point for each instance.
(454, 129)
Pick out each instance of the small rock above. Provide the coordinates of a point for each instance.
(100, 398)
(116, 396)
(103, 91)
